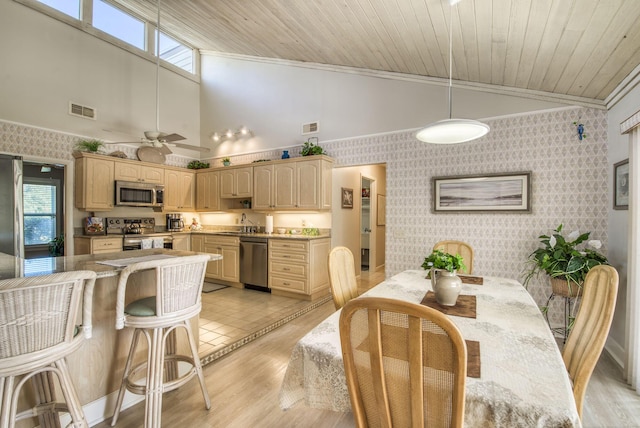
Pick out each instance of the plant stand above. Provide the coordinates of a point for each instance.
(563, 331)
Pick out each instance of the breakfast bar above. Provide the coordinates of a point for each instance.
(96, 368)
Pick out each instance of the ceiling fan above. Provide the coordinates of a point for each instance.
(156, 143)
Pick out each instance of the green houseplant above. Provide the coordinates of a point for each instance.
(438, 259)
(310, 149)
(226, 161)
(91, 146)
(56, 246)
(565, 260)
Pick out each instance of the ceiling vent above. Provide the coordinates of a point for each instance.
(82, 111)
(310, 128)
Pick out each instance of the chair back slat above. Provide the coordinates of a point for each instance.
(342, 276)
(405, 364)
(458, 247)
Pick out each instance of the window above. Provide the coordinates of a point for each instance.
(119, 24)
(175, 52)
(68, 7)
(39, 213)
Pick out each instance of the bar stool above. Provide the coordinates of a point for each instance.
(37, 331)
(179, 283)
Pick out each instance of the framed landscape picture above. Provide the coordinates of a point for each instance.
(621, 185)
(483, 193)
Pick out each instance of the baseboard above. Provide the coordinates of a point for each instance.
(102, 409)
(616, 351)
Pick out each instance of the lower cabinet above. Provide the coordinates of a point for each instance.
(96, 245)
(298, 268)
(227, 269)
(181, 242)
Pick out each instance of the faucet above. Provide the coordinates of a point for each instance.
(246, 228)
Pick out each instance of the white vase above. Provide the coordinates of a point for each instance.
(446, 286)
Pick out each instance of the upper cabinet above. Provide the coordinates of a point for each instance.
(94, 183)
(132, 172)
(236, 182)
(300, 184)
(179, 189)
(208, 191)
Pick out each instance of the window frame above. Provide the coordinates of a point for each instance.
(59, 208)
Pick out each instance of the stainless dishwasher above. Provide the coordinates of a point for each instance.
(254, 263)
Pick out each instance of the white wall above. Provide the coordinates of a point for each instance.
(618, 219)
(46, 64)
(274, 100)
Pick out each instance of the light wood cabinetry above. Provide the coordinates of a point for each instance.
(298, 268)
(136, 172)
(208, 191)
(96, 245)
(94, 183)
(179, 189)
(236, 182)
(293, 185)
(181, 242)
(227, 269)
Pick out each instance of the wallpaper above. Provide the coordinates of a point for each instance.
(569, 185)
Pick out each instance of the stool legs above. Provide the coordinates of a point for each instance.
(197, 366)
(125, 375)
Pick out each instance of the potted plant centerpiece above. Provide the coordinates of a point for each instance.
(310, 149)
(91, 146)
(226, 161)
(565, 260)
(446, 284)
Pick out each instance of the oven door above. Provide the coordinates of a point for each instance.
(135, 242)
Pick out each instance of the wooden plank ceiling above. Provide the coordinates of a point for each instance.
(574, 48)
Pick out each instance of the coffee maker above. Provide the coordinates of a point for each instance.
(175, 223)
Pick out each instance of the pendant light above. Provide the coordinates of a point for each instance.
(452, 131)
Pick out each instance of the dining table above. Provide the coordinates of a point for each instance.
(518, 378)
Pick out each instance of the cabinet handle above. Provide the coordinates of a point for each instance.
(285, 269)
(285, 283)
(285, 256)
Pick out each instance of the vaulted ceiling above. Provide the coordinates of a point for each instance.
(578, 49)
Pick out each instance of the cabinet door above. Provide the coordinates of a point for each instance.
(244, 182)
(197, 243)
(207, 191)
(126, 171)
(230, 264)
(99, 185)
(181, 242)
(308, 184)
(171, 189)
(187, 194)
(214, 266)
(284, 194)
(263, 187)
(149, 174)
(227, 183)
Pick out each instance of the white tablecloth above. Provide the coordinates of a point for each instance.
(523, 380)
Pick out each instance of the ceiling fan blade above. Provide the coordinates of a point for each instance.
(172, 137)
(190, 147)
(164, 149)
(124, 142)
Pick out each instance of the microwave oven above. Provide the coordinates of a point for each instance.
(139, 194)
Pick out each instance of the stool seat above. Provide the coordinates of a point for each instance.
(37, 331)
(178, 287)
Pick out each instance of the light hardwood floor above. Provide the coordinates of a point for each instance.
(245, 384)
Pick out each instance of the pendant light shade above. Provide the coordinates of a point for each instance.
(452, 131)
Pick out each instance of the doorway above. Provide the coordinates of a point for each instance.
(365, 225)
(43, 209)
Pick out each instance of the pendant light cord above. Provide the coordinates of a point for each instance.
(450, 55)
(158, 71)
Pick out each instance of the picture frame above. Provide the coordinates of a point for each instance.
(510, 192)
(381, 209)
(621, 185)
(347, 197)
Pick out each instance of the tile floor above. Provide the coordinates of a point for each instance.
(232, 317)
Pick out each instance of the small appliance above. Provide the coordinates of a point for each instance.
(175, 223)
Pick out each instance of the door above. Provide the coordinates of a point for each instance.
(365, 223)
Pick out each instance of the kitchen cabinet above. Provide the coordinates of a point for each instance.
(298, 268)
(293, 185)
(96, 245)
(179, 190)
(94, 182)
(227, 269)
(236, 182)
(181, 241)
(135, 172)
(208, 191)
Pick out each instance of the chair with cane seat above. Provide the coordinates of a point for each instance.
(178, 285)
(405, 364)
(589, 333)
(37, 331)
(458, 247)
(342, 276)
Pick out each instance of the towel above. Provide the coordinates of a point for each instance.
(145, 244)
(158, 242)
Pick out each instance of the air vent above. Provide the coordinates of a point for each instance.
(310, 128)
(82, 111)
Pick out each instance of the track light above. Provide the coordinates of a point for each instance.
(228, 134)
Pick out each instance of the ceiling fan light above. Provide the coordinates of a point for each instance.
(452, 131)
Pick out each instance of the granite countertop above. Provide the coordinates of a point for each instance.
(16, 267)
(262, 235)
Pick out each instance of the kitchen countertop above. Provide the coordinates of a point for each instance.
(261, 235)
(16, 267)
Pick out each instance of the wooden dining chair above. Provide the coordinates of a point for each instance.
(591, 327)
(458, 247)
(342, 276)
(405, 364)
